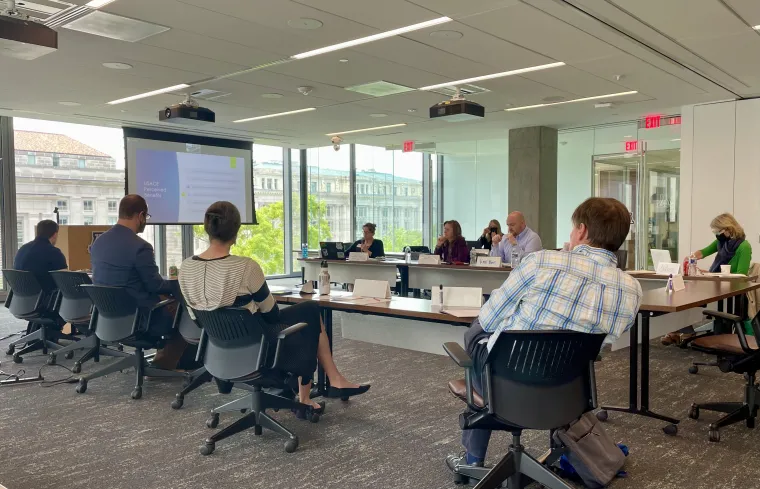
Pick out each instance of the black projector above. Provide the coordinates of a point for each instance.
(187, 115)
(26, 39)
(457, 110)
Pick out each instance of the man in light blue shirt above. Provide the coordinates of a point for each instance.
(520, 237)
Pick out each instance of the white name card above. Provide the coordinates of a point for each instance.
(458, 296)
(481, 252)
(376, 289)
(429, 260)
(489, 261)
(678, 283)
(668, 268)
(358, 256)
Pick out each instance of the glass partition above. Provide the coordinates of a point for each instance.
(329, 195)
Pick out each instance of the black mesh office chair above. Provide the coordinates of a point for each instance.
(736, 353)
(235, 348)
(117, 319)
(537, 380)
(29, 302)
(191, 332)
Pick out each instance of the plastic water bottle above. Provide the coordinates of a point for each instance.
(304, 251)
(324, 280)
(515, 258)
(473, 257)
(407, 255)
(692, 265)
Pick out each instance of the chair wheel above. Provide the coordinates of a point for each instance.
(693, 369)
(178, 402)
(243, 411)
(82, 387)
(69, 355)
(314, 418)
(460, 479)
(213, 421)
(694, 412)
(137, 393)
(120, 347)
(671, 429)
(291, 445)
(208, 448)
(51, 360)
(17, 358)
(77, 368)
(714, 436)
(602, 415)
(10, 350)
(344, 399)
(258, 430)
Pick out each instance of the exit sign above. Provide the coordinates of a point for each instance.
(652, 122)
(655, 121)
(631, 146)
(408, 146)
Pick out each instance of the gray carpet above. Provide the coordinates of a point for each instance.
(395, 436)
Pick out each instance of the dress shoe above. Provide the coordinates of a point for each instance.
(346, 392)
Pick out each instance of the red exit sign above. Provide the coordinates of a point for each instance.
(631, 146)
(652, 122)
(408, 146)
(655, 121)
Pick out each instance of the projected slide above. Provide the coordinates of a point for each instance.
(179, 187)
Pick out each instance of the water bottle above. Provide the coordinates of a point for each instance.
(304, 251)
(515, 258)
(692, 265)
(408, 255)
(324, 280)
(473, 257)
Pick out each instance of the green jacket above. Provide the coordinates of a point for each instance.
(741, 260)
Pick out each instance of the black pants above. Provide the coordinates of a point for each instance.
(476, 441)
(300, 349)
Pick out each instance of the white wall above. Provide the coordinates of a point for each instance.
(720, 171)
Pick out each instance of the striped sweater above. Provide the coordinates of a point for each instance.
(228, 281)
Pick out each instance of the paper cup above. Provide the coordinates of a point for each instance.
(725, 269)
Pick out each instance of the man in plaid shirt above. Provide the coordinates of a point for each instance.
(581, 290)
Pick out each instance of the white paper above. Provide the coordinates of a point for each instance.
(458, 297)
(462, 313)
(664, 268)
(307, 288)
(358, 256)
(481, 252)
(429, 260)
(678, 283)
(360, 301)
(379, 289)
(489, 261)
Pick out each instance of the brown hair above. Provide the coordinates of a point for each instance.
(132, 205)
(728, 223)
(456, 227)
(370, 226)
(46, 229)
(607, 220)
(222, 221)
(498, 225)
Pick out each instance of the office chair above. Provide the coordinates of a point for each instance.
(622, 259)
(190, 331)
(116, 318)
(473, 244)
(29, 302)
(537, 380)
(736, 353)
(235, 348)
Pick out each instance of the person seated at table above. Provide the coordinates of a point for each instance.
(369, 245)
(121, 258)
(519, 237)
(494, 228)
(581, 290)
(451, 247)
(40, 255)
(216, 278)
(732, 248)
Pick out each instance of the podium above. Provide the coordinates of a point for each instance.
(75, 241)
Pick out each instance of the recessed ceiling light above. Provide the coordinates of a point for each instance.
(364, 130)
(448, 35)
(757, 27)
(609, 95)
(271, 95)
(149, 94)
(98, 3)
(343, 60)
(374, 37)
(377, 116)
(269, 116)
(627, 137)
(411, 110)
(495, 75)
(70, 104)
(305, 24)
(118, 66)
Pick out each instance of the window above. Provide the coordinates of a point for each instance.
(325, 164)
(295, 187)
(269, 183)
(112, 205)
(88, 205)
(87, 221)
(56, 161)
(80, 163)
(275, 184)
(62, 220)
(328, 187)
(263, 183)
(20, 231)
(63, 205)
(111, 220)
(313, 187)
(32, 159)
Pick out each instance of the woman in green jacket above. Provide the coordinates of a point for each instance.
(732, 248)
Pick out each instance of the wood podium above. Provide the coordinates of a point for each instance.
(75, 241)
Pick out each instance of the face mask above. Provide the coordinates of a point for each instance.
(722, 238)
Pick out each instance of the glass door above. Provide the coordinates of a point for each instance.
(663, 183)
(618, 176)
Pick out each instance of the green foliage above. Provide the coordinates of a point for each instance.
(394, 240)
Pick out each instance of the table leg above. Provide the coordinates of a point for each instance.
(404, 272)
(730, 306)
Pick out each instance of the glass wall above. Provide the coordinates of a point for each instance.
(295, 187)
(475, 183)
(329, 195)
(389, 194)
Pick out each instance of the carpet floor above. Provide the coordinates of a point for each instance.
(395, 436)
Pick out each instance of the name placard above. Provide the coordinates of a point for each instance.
(429, 260)
(358, 256)
(378, 289)
(489, 261)
(668, 268)
(678, 283)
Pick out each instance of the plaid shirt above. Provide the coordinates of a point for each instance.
(581, 290)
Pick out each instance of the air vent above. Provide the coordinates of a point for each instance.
(465, 90)
(208, 94)
(379, 88)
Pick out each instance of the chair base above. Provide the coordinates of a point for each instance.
(255, 404)
(736, 411)
(516, 470)
(39, 339)
(197, 379)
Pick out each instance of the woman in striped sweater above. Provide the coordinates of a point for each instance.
(215, 279)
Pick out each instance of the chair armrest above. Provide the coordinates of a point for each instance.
(722, 315)
(8, 299)
(291, 330)
(161, 304)
(457, 353)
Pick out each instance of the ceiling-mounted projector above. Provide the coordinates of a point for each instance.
(457, 109)
(187, 113)
(25, 39)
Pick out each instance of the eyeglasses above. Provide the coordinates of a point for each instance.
(147, 216)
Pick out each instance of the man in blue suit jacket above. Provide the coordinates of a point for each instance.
(120, 258)
(41, 256)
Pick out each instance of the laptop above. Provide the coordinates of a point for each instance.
(660, 256)
(416, 251)
(332, 250)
